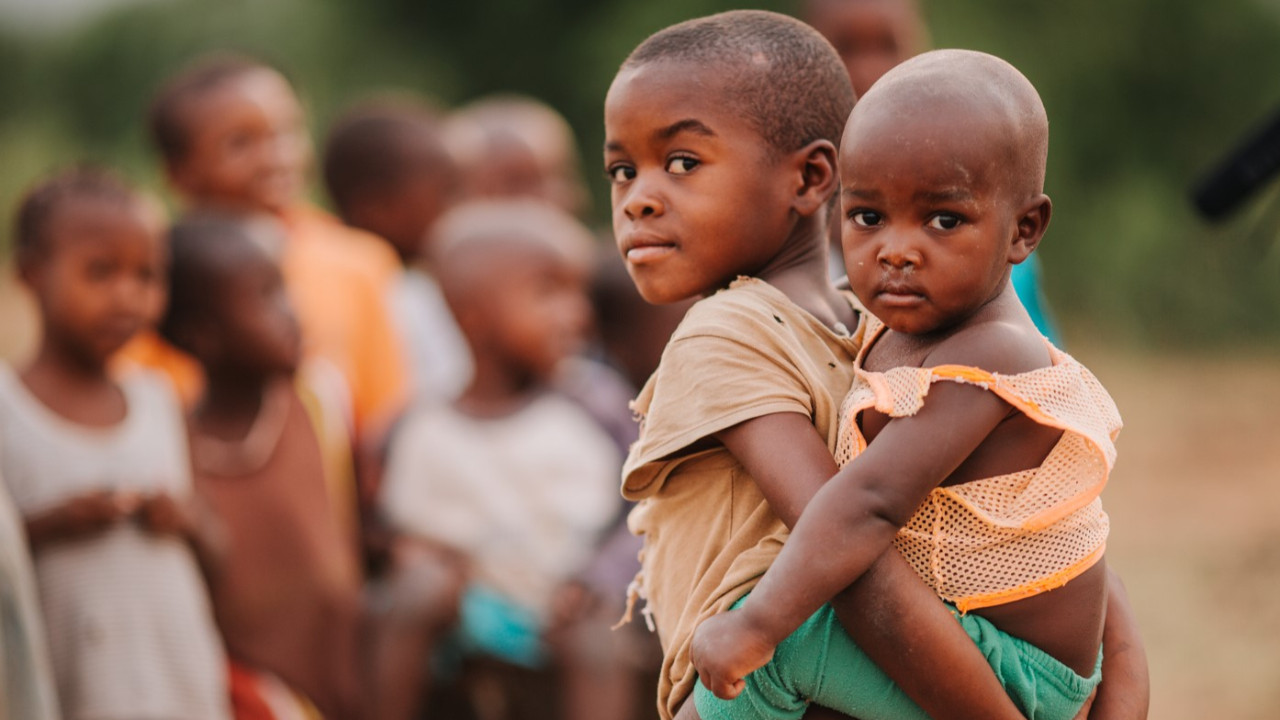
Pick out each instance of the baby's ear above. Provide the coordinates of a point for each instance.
(817, 179)
(1033, 220)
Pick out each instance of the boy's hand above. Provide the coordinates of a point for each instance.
(725, 650)
(162, 514)
(80, 516)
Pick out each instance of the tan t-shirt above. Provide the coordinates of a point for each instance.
(709, 534)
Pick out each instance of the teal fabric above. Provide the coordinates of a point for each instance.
(819, 663)
(491, 624)
(1026, 283)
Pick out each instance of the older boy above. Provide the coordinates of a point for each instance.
(720, 144)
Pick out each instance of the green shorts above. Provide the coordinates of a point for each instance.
(819, 663)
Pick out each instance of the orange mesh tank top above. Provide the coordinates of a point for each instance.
(1000, 539)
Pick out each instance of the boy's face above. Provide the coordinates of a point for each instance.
(100, 277)
(929, 223)
(871, 36)
(255, 328)
(699, 197)
(248, 149)
(540, 314)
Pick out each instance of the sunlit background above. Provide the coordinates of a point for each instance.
(1179, 317)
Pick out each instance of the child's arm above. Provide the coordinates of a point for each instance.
(79, 517)
(889, 612)
(191, 521)
(1125, 692)
(850, 522)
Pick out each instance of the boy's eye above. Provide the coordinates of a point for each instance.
(621, 173)
(866, 218)
(944, 221)
(681, 165)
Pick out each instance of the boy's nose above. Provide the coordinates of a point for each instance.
(641, 201)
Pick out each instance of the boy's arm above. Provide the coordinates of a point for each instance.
(889, 612)
(849, 523)
(1125, 692)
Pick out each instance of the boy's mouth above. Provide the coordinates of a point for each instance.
(643, 250)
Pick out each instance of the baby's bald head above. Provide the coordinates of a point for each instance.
(979, 96)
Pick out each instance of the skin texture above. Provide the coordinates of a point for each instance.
(934, 215)
(698, 199)
(248, 149)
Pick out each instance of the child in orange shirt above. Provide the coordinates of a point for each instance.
(232, 137)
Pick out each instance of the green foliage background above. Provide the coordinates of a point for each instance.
(1143, 96)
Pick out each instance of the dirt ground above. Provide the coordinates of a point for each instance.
(1195, 508)
(1194, 502)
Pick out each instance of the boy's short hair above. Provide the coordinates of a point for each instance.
(166, 120)
(363, 153)
(199, 246)
(41, 204)
(783, 75)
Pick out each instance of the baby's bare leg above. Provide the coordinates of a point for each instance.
(902, 625)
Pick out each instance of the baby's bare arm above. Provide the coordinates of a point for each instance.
(848, 524)
(889, 612)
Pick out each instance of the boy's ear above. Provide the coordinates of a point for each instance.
(815, 164)
(1033, 220)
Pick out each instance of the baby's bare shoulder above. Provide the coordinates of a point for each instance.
(995, 346)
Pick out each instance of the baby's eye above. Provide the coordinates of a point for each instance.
(681, 165)
(866, 218)
(621, 173)
(944, 221)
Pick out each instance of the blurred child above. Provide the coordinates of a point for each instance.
(871, 37)
(99, 468)
(720, 144)
(287, 593)
(512, 478)
(388, 172)
(26, 679)
(511, 146)
(969, 439)
(233, 138)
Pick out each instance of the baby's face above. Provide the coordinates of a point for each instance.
(929, 228)
(248, 147)
(699, 197)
